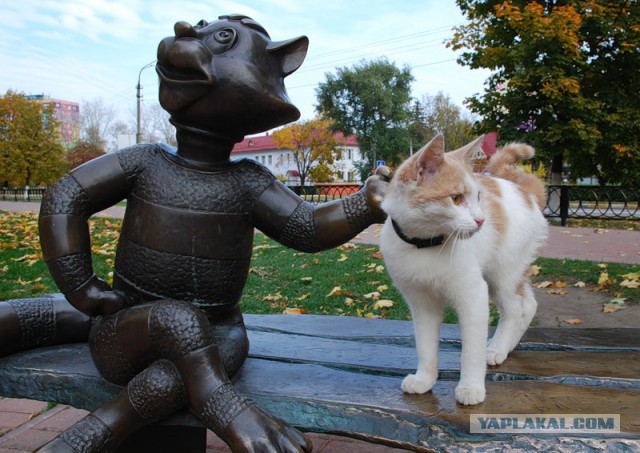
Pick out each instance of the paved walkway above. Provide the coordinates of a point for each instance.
(25, 424)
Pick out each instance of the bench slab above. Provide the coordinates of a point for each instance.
(342, 375)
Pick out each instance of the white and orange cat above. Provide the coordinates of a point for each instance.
(459, 238)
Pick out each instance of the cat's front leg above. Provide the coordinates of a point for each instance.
(427, 317)
(473, 312)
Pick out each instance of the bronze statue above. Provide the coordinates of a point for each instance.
(170, 328)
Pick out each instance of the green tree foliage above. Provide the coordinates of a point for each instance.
(30, 149)
(373, 101)
(82, 152)
(313, 147)
(567, 79)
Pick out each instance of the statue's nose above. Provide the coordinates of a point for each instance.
(184, 30)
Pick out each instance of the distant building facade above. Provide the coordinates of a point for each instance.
(281, 163)
(68, 115)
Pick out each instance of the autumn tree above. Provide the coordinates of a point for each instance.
(313, 147)
(566, 79)
(82, 152)
(30, 149)
(371, 100)
(439, 115)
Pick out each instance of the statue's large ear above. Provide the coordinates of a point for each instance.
(290, 53)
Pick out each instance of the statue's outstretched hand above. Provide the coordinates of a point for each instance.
(374, 189)
(95, 297)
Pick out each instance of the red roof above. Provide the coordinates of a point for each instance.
(261, 143)
(265, 142)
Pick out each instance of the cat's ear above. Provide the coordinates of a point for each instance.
(430, 157)
(469, 152)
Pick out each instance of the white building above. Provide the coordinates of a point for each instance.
(280, 161)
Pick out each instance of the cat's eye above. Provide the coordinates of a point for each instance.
(457, 199)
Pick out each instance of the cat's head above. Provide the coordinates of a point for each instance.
(228, 75)
(433, 193)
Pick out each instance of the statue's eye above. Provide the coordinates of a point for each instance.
(225, 36)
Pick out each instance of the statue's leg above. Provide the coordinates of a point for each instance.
(42, 321)
(131, 339)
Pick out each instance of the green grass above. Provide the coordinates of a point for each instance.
(342, 281)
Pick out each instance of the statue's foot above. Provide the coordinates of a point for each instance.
(254, 430)
(88, 435)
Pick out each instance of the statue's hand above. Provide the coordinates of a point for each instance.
(96, 297)
(374, 189)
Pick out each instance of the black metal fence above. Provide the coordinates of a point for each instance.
(593, 202)
(317, 194)
(7, 194)
(564, 202)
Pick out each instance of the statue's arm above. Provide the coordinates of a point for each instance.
(64, 231)
(285, 217)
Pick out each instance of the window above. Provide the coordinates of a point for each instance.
(349, 155)
(270, 159)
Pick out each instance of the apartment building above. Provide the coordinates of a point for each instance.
(68, 115)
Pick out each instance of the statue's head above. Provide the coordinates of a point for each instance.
(228, 76)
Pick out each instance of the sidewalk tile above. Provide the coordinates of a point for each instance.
(22, 405)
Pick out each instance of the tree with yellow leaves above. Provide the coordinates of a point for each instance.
(313, 148)
(566, 79)
(30, 149)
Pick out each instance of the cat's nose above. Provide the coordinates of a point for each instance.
(479, 222)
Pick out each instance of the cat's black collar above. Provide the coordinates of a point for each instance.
(418, 242)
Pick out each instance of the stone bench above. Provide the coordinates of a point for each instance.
(342, 376)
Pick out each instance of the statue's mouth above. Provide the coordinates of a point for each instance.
(173, 74)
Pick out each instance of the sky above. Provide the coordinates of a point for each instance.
(83, 50)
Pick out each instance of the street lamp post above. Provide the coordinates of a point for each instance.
(139, 96)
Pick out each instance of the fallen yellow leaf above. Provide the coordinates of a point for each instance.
(348, 301)
(336, 291)
(573, 322)
(632, 276)
(294, 311)
(382, 288)
(383, 303)
(611, 308)
(375, 295)
(580, 284)
(630, 283)
(558, 291)
(544, 284)
(304, 296)
(533, 270)
(604, 280)
(343, 257)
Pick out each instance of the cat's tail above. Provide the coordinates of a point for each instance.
(501, 166)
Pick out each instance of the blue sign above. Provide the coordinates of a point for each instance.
(380, 163)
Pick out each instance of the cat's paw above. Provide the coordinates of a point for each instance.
(417, 384)
(496, 357)
(469, 395)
